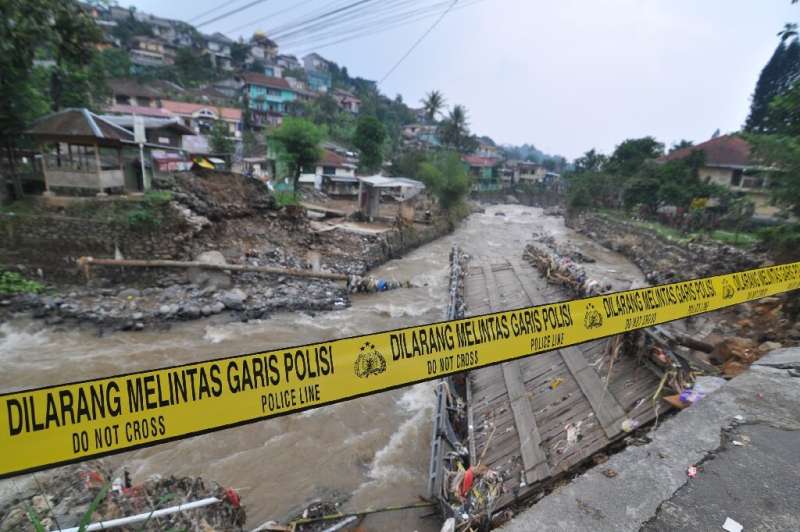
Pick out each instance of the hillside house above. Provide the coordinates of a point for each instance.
(218, 47)
(347, 101)
(160, 132)
(288, 62)
(515, 171)
(132, 93)
(487, 148)
(317, 72)
(267, 98)
(485, 172)
(200, 118)
(261, 49)
(420, 136)
(333, 174)
(728, 162)
(151, 52)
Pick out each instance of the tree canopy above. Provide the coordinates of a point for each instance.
(454, 131)
(446, 178)
(368, 139)
(298, 144)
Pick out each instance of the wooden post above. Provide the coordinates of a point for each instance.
(99, 168)
(44, 170)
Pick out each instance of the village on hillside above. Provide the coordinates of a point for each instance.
(443, 330)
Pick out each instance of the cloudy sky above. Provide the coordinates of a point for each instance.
(564, 75)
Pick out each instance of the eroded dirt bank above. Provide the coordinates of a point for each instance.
(211, 217)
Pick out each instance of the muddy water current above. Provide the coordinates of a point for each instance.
(372, 451)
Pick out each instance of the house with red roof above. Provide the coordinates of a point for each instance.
(729, 162)
(201, 117)
(485, 172)
(334, 174)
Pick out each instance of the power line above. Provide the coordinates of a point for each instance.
(229, 13)
(377, 23)
(422, 37)
(271, 15)
(213, 9)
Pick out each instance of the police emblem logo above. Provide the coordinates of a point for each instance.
(592, 319)
(727, 290)
(369, 361)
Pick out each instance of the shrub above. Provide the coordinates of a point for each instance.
(14, 283)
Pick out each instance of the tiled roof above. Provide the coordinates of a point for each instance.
(254, 78)
(187, 108)
(727, 150)
(476, 160)
(330, 158)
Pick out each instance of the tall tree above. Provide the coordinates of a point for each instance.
(780, 72)
(683, 143)
(454, 131)
(52, 29)
(368, 139)
(591, 161)
(446, 177)
(433, 103)
(631, 154)
(297, 141)
(219, 139)
(789, 30)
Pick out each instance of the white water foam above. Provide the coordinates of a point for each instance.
(389, 464)
(19, 338)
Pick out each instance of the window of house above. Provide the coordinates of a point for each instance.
(309, 169)
(328, 170)
(736, 178)
(121, 99)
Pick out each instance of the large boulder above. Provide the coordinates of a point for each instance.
(202, 278)
(234, 299)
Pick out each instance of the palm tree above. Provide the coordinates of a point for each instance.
(789, 30)
(433, 104)
(454, 130)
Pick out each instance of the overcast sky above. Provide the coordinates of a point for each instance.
(564, 75)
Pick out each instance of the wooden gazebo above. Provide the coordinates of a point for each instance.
(81, 150)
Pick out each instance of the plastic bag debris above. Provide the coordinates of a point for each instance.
(691, 472)
(555, 383)
(732, 526)
(629, 425)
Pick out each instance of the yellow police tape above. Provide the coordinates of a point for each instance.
(65, 423)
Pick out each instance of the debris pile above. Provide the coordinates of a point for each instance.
(369, 284)
(85, 494)
(563, 270)
(664, 259)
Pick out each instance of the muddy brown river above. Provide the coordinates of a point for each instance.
(373, 450)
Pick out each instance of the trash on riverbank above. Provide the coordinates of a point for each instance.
(369, 284)
(62, 498)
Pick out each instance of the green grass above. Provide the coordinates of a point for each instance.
(742, 239)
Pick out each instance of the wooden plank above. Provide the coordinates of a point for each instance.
(533, 458)
(606, 407)
(491, 288)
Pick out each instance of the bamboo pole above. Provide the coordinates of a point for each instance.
(87, 262)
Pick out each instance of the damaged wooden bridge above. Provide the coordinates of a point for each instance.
(530, 420)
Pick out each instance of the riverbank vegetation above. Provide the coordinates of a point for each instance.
(635, 181)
